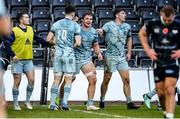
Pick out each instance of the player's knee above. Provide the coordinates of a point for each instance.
(91, 76)
(126, 81)
(169, 90)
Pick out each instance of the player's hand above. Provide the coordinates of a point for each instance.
(151, 54)
(175, 54)
(16, 59)
(100, 31)
(128, 56)
(100, 57)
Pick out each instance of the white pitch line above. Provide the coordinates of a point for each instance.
(101, 114)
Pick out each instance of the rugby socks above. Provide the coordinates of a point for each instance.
(67, 90)
(15, 93)
(169, 115)
(178, 90)
(102, 99)
(90, 102)
(29, 91)
(128, 99)
(152, 93)
(54, 93)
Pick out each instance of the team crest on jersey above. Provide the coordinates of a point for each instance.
(156, 30)
(175, 31)
(27, 42)
(165, 41)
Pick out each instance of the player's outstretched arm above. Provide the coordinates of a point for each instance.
(50, 38)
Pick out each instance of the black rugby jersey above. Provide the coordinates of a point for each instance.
(165, 39)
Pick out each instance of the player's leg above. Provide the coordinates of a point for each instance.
(58, 75)
(170, 84)
(147, 97)
(90, 72)
(124, 73)
(69, 68)
(29, 71)
(109, 68)
(17, 70)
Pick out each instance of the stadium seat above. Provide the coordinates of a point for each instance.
(124, 3)
(59, 3)
(82, 3)
(40, 3)
(38, 62)
(148, 15)
(145, 63)
(16, 10)
(102, 3)
(105, 14)
(80, 12)
(135, 26)
(135, 41)
(41, 13)
(19, 3)
(132, 63)
(141, 4)
(58, 14)
(131, 15)
(162, 3)
(178, 16)
(141, 57)
(42, 25)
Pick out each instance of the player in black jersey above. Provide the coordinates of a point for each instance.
(165, 52)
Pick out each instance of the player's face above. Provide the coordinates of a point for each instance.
(121, 16)
(6, 26)
(167, 20)
(25, 19)
(87, 21)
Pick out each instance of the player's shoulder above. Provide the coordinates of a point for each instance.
(126, 25)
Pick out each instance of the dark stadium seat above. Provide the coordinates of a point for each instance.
(145, 63)
(124, 3)
(59, 3)
(42, 25)
(178, 16)
(41, 13)
(135, 41)
(102, 3)
(40, 3)
(141, 4)
(19, 3)
(162, 3)
(82, 3)
(16, 10)
(132, 63)
(105, 14)
(141, 57)
(135, 26)
(147, 15)
(131, 15)
(80, 12)
(58, 14)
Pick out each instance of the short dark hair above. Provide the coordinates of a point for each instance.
(168, 10)
(117, 10)
(87, 13)
(69, 9)
(20, 15)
